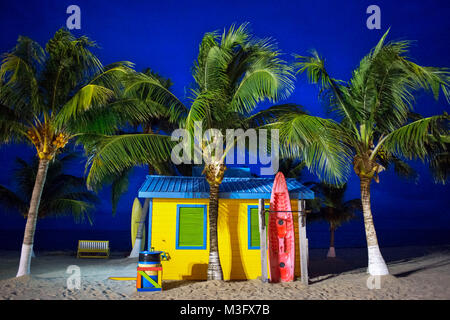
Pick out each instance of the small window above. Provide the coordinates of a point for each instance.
(253, 226)
(191, 227)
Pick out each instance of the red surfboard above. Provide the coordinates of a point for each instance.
(281, 233)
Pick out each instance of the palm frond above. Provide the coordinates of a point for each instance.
(410, 140)
(12, 127)
(118, 187)
(87, 97)
(264, 80)
(273, 114)
(113, 154)
(201, 109)
(291, 168)
(153, 94)
(331, 89)
(114, 75)
(235, 37)
(70, 66)
(63, 194)
(78, 209)
(19, 75)
(315, 141)
(330, 205)
(200, 69)
(440, 165)
(403, 169)
(11, 201)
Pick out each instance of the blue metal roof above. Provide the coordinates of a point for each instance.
(231, 188)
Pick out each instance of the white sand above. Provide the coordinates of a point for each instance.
(416, 273)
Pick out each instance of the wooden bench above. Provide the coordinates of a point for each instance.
(93, 249)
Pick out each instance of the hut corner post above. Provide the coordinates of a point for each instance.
(263, 240)
(303, 242)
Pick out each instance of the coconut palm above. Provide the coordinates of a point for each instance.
(63, 194)
(332, 208)
(50, 96)
(233, 73)
(373, 108)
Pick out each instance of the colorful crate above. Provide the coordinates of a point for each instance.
(149, 278)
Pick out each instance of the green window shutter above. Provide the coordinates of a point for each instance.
(191, 226)
(254, 227)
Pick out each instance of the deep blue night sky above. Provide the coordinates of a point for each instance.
(165, 35)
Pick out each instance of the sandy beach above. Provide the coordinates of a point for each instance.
(416, 273)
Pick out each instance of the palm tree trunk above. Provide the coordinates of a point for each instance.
(30, 227)
(331, 252)
(377, 265)
(214, 266)
(140, 232)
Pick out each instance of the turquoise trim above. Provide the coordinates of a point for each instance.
(222, 195)
(249, 226)
(180, 195)
(230, 188)
(149, 233)
(205, 221)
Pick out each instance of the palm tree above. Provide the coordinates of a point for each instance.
(233, 73)
(62, 194)
(332, 208)
(48, 97)
(373, 108)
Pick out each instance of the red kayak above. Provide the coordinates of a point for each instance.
(281, 233)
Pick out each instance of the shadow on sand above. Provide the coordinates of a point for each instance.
(426, 267)
(355, 260)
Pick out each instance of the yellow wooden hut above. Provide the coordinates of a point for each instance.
(178, 223)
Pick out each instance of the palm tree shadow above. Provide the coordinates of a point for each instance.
(427, 267)
(355, 260)
(323, 278)
(326, 268)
